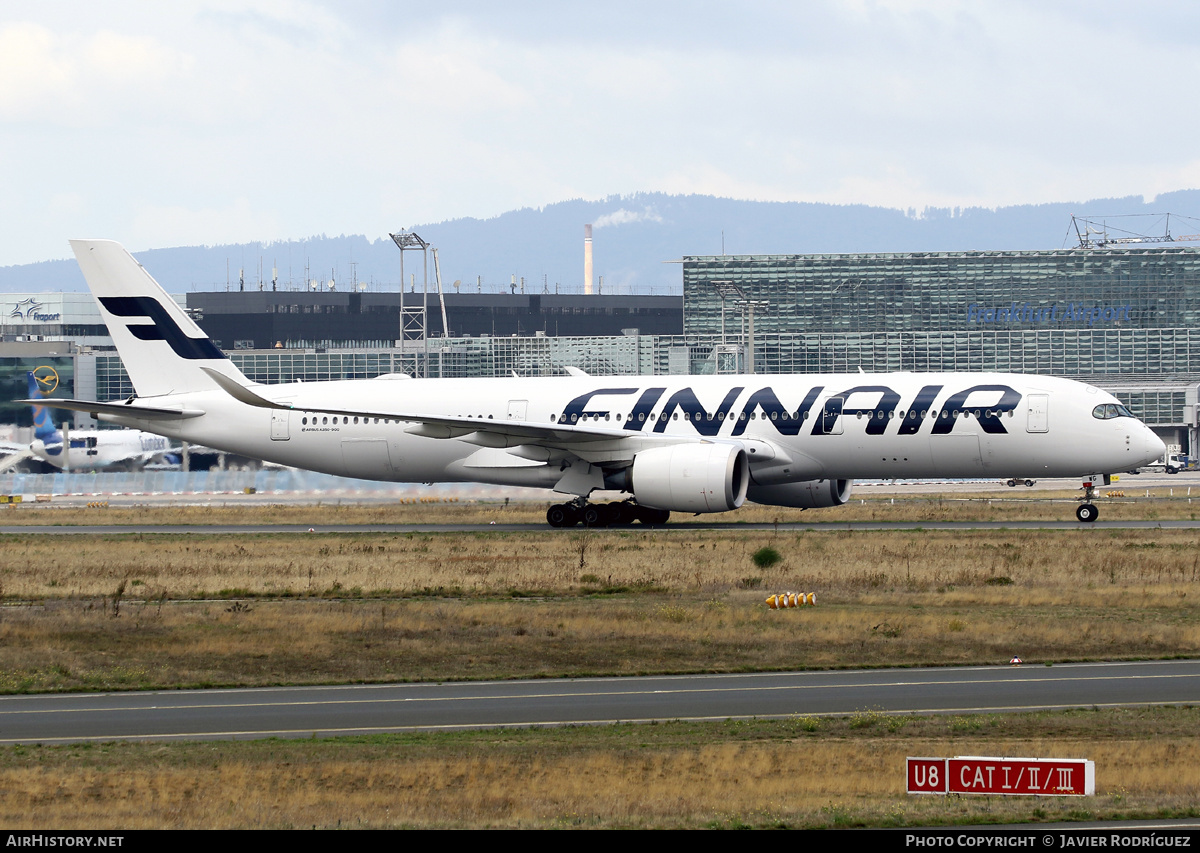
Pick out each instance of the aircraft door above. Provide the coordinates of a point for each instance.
(280, 420)
(517, 409)
(831, 416)
(1038, 412)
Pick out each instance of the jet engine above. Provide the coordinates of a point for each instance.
(807, 494)
(690, 477)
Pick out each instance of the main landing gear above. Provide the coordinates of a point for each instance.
(1087, 512)
(616, 514)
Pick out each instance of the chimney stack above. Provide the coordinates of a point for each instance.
(587, 260)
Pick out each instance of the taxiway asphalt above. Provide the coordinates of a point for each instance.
(536, 527)
(363, 709)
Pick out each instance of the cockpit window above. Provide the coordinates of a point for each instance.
(1106, 411)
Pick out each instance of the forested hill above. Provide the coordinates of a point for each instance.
(635, 238)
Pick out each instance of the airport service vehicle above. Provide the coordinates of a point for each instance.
(700, 444)
(83, 450)
(1172, 462)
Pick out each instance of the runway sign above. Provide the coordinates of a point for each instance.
(1041, 777)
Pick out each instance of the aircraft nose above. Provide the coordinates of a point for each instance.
(1155, 446)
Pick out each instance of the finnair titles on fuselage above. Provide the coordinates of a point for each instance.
(688, 444)
(742, 409)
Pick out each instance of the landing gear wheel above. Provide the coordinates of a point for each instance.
(620, 514)
(594, 516)
(1087, 513)
(653, 516)
(559, 515)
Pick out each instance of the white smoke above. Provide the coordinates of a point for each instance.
(624, 217)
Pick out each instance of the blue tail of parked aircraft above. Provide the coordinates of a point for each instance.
(43, 427)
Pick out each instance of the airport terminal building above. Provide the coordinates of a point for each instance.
(1122, 318)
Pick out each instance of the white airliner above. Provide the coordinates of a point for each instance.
(83, 450)
(673, 443)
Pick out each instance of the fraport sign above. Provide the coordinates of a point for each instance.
(1058, 314)
(1014, 777)
(31, 309)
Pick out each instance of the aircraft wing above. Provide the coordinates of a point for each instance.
(506, 433)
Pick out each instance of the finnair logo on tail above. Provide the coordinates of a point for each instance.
(163, 328)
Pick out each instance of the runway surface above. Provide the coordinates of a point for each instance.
(535, 527)
(361, 709)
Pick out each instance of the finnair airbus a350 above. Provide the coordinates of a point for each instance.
(673, 443)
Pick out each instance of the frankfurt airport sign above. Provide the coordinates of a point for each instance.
(1031, 777)
(1058, 314)
(31, 309)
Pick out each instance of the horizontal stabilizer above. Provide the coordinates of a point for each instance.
(15, 459)
(124, 410)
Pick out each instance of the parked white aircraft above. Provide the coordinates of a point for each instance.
(83, 450)
(674, 443)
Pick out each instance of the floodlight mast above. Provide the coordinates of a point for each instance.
(412, 320)
(728, 291)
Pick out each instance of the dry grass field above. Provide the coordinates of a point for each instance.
(148, 610)
(111, 612)
(798, 772)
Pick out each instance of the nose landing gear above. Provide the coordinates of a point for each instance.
(1087, 512)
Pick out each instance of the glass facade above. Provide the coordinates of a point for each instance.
(269, 367)
(1154, 353)
(447, 358)
(1099, 315)
(1070, 289)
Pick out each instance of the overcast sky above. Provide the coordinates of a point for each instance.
(182, 123)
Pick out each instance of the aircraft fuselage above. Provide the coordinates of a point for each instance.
(821, 426)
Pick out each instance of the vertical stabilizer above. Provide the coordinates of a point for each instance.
(43, 426)
(162, 349)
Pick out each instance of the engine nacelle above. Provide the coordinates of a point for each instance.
(808, 494)
(690, 477)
